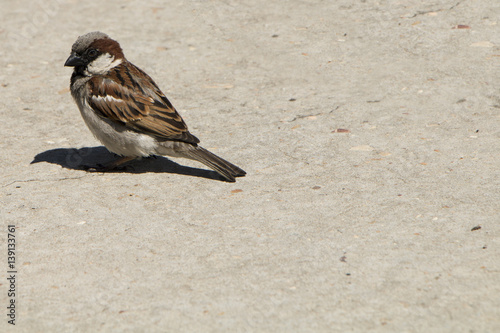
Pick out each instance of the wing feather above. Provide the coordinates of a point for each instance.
(131, 97)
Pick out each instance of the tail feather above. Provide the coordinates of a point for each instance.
(223, 167)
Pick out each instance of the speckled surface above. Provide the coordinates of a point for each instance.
(370, 134)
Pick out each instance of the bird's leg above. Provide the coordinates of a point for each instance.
(110, 166)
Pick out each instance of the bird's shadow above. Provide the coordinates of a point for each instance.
(78, 159)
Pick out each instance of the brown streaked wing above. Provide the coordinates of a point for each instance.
(137, 103)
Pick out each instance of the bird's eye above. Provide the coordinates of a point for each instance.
(92, 52)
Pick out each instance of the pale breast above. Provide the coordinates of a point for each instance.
(116, 137)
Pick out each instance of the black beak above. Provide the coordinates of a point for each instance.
(74, 61)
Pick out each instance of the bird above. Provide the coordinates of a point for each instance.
(126, 110)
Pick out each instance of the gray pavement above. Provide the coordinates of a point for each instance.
(370, 131)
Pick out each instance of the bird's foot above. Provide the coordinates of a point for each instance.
(116, 165)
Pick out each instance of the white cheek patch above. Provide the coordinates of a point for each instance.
(102, 64)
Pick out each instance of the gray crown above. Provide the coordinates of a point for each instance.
(83, 42)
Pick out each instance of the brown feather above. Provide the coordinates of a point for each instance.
(133, 98)
(228, 170)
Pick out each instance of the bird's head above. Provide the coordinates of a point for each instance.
(95, 54)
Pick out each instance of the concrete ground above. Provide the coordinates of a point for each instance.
(370, 131)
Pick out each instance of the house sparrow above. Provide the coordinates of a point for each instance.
(127, 112)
